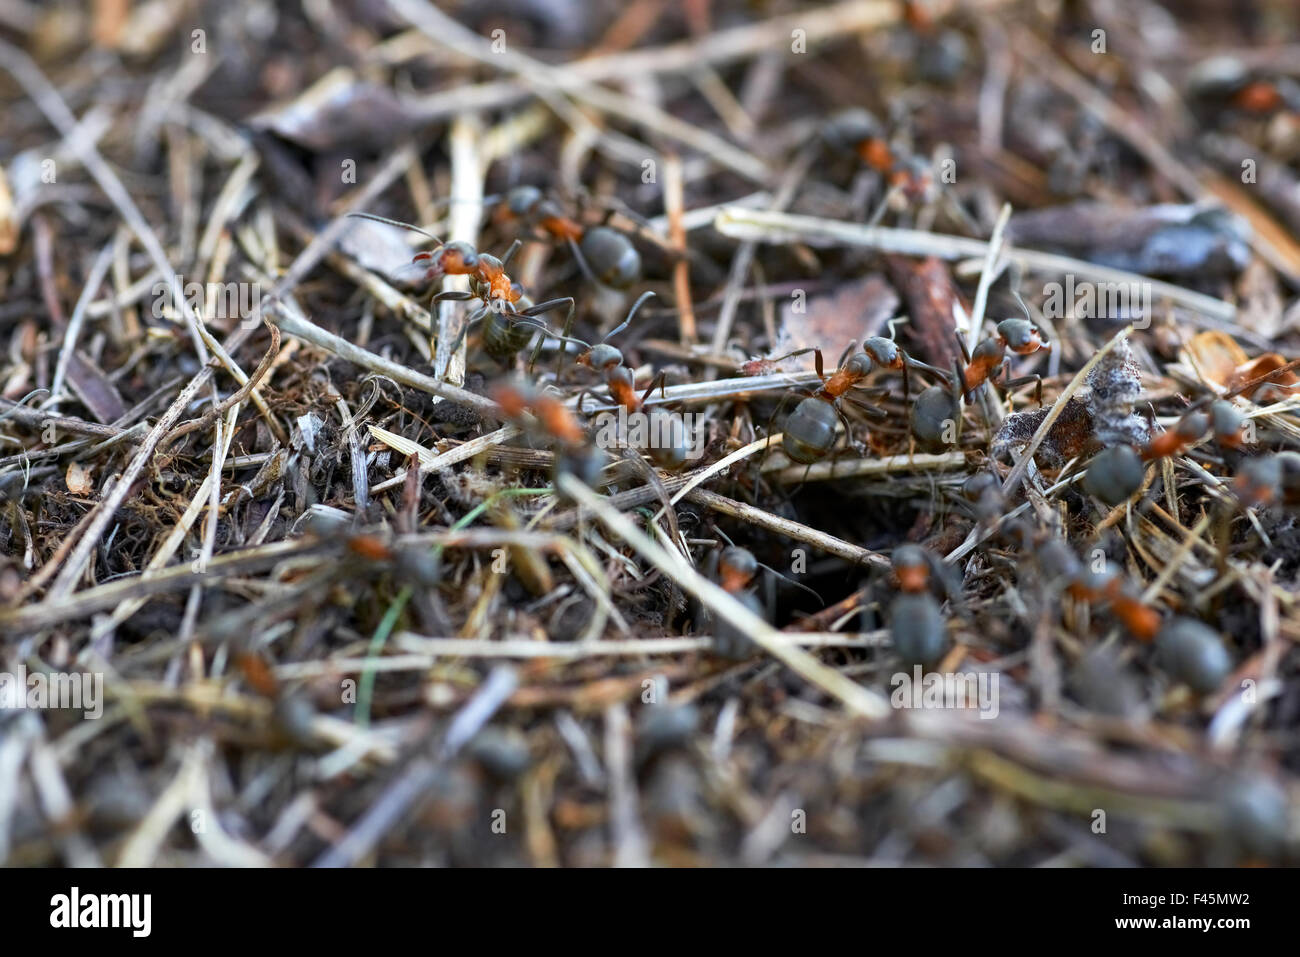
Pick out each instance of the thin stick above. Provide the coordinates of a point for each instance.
(785, 229)
(416, 780)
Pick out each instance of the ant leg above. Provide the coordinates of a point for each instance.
(961, 344)
(879, 212)
(547, 306)
(821, 374)
(582, 262)
(630, 313)
(452, 295)
(464, 330)
(660, 381)
(866, 408)
(852, 347)
(1023, 380)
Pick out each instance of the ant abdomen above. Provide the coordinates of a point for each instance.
(504, 338)
(731, 642)
(1194, 654)
(1114, 474)
(917, 628)
(935, 414)
(612, 257)
(670, 444)
(810, 431)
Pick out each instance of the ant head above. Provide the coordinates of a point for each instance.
(521, 200)
(912, 567)
(1192, 426)
(1021, 336)
(846, 129)
(884, 352)
(612, 257)
(857, 365)
(1227, 421)
(458, 258)
(1259, 481)
(602, 356)
(736, 567)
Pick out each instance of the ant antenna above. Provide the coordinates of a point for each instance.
(631, 312)
(396, 222)
(1014, 275)
(896, 321)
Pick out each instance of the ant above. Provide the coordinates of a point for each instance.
(668, 438)
(1116, 473)
(604, 254)
(857, 132)
(735, 572)
(916, 623)
(511, 316)
(575, 454)
(938, 408)
(1186, 648)
(737, 568)
(809, 433)
(1266, 480)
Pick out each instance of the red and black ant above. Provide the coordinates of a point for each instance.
(1114, 474)
(916, 623)
(735, 572)
(857, 132)
(938, 409)
(1189, 650)
(605, 255)
(511, 316)
(575, 454)
(809, 431)
(668, 442)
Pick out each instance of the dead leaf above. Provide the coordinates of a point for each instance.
(830, 323)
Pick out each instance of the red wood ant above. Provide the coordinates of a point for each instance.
(511, 316)
(575, 454)
(735, 572)
(604, 254)
(1116, 473)
(669, 441)
(809, 432)
(916, 623)
(1186, 648)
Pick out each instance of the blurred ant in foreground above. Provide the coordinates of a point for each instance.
(916, 623)
(575, 453)
(735, 571)
(511, 316)
(1186, 648)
